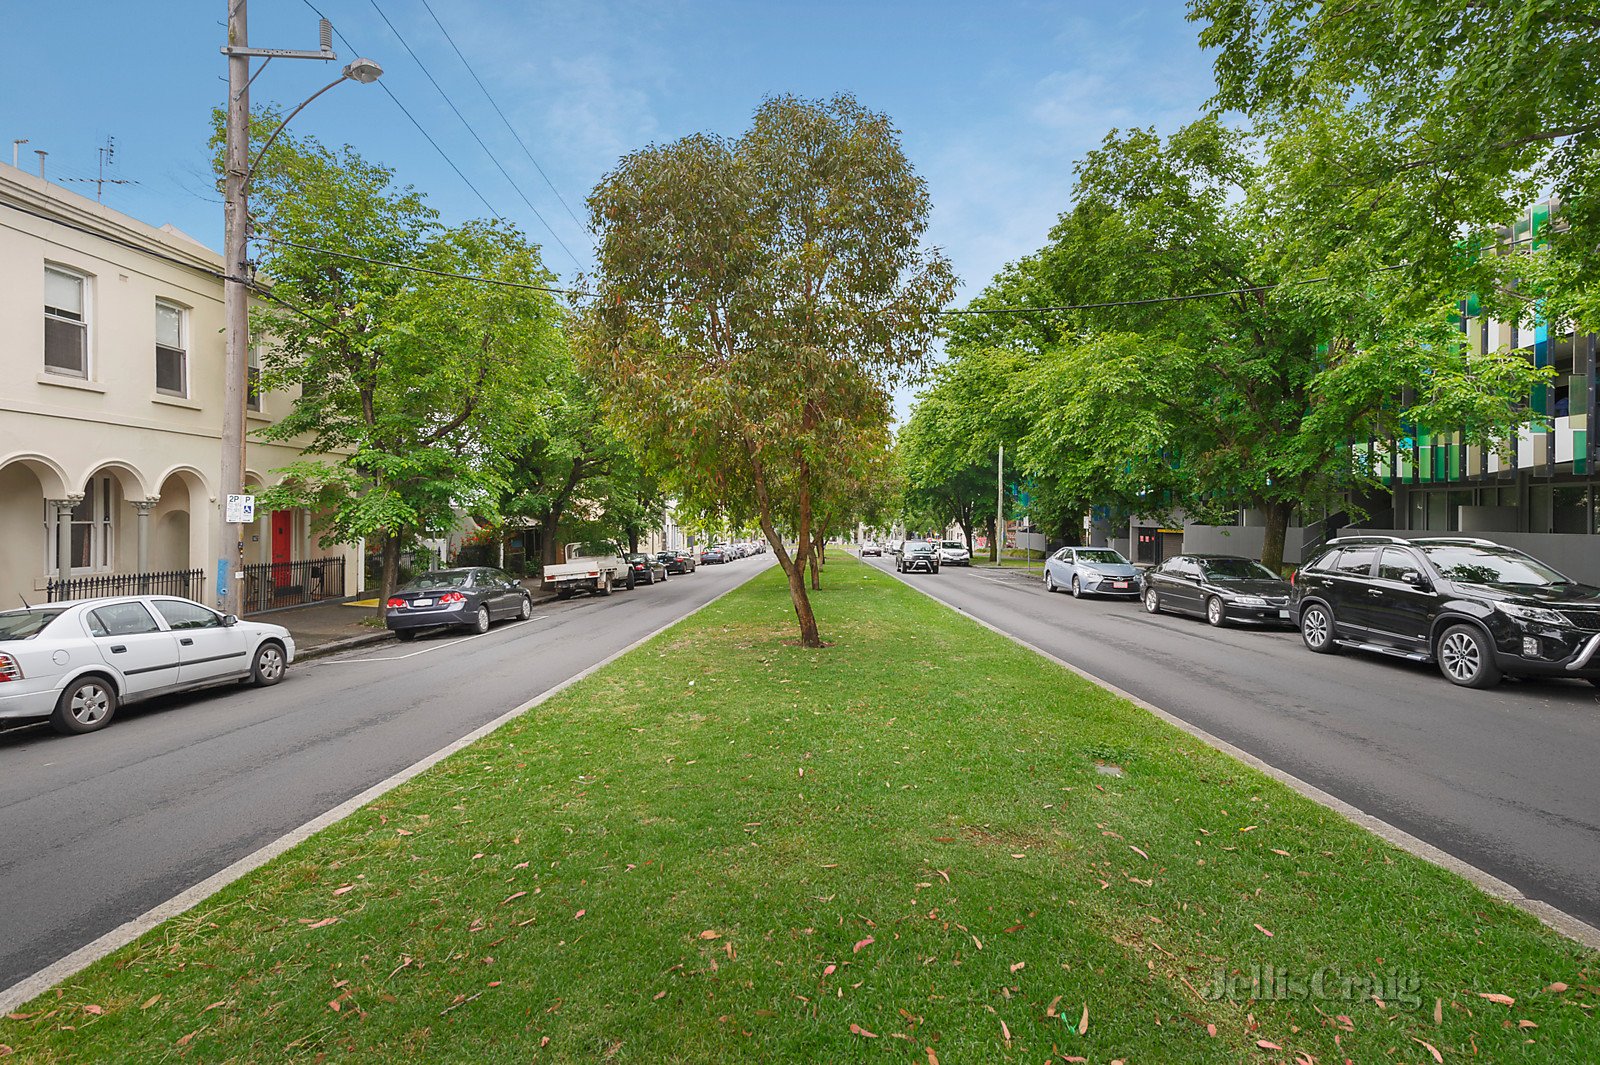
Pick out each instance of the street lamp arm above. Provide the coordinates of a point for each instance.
(250, 173)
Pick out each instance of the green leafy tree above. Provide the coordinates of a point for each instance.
(761, 297)
(408, 383)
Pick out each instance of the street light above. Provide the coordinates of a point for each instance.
(237, 170)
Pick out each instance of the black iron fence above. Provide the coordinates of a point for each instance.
(268, 585)
(189, 583)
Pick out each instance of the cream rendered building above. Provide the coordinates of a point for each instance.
(111, 386)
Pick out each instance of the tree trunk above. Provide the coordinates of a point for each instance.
(794, 568)
(1277, 531)
(633, 541)
(549, 550)
(994, 542)
(816, 575)
(391, 572)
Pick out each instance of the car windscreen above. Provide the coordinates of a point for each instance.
(1102, 557)
(917, 548)
(453, 578)
(1478, 565)
(1236, 569)
(954, 545)
(25, 624)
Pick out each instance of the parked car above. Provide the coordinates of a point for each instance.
(1091, 571)
(954, 553)
(76, 662)
(896, 546)
(1477, 609)
(871, 547)
(469, 598)
(679, 561)
(918, 555)
(647, 569)
(713, 556)
(1219, 588)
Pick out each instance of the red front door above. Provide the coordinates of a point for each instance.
(282, 546)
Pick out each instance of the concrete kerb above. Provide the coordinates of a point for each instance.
(31, 987)
(1556, 919)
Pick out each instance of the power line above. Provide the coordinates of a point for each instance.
(502, 115)
(486, 151)
(413, 268)
(426, 136)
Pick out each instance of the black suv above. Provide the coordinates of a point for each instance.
(1475, 607)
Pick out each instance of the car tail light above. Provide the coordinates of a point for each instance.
(1292, 576)
(395, 603)
(9, 670)
(452, 597)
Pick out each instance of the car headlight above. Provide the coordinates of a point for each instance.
(1542, 615)
(1249, 600)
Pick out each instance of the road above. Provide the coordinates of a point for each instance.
(96, 830)
(1507, 780)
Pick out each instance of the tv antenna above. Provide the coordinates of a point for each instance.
(108, 155)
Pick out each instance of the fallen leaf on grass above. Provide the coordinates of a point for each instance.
(520, 865)
(475, 857)
(1504, 1000)
(856, 1029)
(6, 1052)
(1139, 852)
(1248, 828)
(1263, 931)
(402, 832)
(333, 1004)
(1557, 987)
(208, 1009)
(340, 891)
(830, 970)
(862, 943)
(1211, 1030)
(1430, 1049)
(1267, 1044)
(1083, 1022)
(1277, 851)
(1018, 965)
(1005, 1033)
(97, 1011)
(151, 1001)
(513, 898)
(659, 996)
(933, 1059)
(711, 933)
(183, 1041)
(1526, 1024)
(579, 914)
(325, 922)
(1050, 1010)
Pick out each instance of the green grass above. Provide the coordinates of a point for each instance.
(726, 848)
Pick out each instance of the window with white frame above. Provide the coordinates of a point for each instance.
(172, 358)
(66, 322)
(253, 391)
(93, 547)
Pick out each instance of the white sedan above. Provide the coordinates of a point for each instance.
(76, 662)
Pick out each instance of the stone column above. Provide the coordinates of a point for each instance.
(63, 511)
(143, 507)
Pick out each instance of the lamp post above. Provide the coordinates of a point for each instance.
(237, 168)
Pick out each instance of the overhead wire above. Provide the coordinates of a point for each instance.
(502, 114)
(486, 150)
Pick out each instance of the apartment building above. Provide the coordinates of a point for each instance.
(111, 354)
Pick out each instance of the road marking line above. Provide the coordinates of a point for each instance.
(1559, 920)
(33, 986)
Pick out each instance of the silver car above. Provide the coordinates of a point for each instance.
(1091, 571)
(76, 662)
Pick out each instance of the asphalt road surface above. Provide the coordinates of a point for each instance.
(95, 830)
(1507, 780)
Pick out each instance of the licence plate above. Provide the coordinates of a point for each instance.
(422, 602)
(1119, 584)
(1283, 614)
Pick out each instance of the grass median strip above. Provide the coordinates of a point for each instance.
(922, 843)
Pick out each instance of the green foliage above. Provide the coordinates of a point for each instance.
(408, 384)
(758, 300)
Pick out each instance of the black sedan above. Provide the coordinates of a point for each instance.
(646, 569)
(678, 561)
(713, 556)
(1219, 588)
(467, 598)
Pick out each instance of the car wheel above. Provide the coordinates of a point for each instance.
(480, 621)
(405, 635)
(1152, 601)
(1216, 613)
(1316, 629)
(86, 705)
(1077, 588)
(1467, 658)
(1049, 581)
(603, 585)
(525, 611)
(269, 665)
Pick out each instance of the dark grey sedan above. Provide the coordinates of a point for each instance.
(646, 569)
(469, 598)
(1219, 588)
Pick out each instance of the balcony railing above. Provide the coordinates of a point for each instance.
(188, 583)
(269, 585)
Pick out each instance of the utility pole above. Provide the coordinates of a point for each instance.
(237, 168)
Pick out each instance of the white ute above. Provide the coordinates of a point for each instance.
(582, 572)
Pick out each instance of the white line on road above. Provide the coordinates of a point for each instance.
(119, 937)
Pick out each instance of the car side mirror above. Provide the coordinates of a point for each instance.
(229, 620)
(1413, 578)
